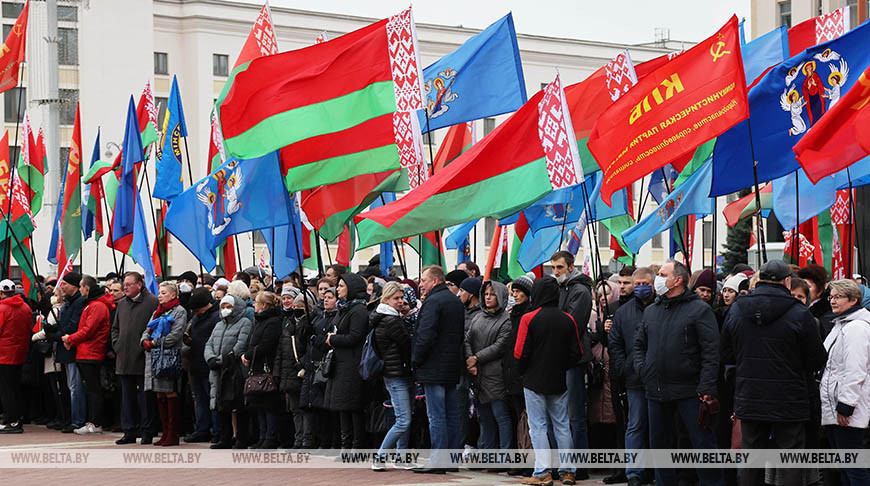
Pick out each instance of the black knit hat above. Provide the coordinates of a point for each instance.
(456, 277)
(200, 297)
(189, 276)
(73, 278)
(523, 283)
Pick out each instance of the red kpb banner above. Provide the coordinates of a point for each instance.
(12, 52)
(670, 112)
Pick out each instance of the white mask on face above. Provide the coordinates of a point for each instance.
(562, 278)
(661, 285)
(226, 313)
(185, 288)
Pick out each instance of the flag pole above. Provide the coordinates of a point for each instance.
(111, 239)
(319, 256)
(852, 228)
(7, 268)
(677, 222)
(301, 272)
(328, 254)
(592, 234)
(797, 218)
(757, 199)
(154, 219)
(713, 238)
(190, 178)
(431, 173)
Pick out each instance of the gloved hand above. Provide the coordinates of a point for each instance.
(148, 344)
(213, 364)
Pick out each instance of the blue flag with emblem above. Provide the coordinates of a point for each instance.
(168, 183)
(691, 197)
(483, 78)
(787, 102)
(240, 196)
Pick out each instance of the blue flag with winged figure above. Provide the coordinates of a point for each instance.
(240, 196)
(691, 197)
(169, 183)
(483, 78)
(787, 102)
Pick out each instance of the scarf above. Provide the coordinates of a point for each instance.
(163, 308)
(346, 304)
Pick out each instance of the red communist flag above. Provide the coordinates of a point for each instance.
(835, 141)
(682, 104)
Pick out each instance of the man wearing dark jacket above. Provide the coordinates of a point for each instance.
(626, 320)
(548, 345)
(437, 362)
(132, 314)
(676, 352)
(773, 340)
(469, 295)
(205, 315)
(575, 298)
(68, 323)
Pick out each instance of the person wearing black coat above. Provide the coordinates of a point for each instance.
(392, 342)
(290, 361)
(676, 353)
(344, 390)
(262, 347)
(205, 315)
(437, 360)
(316, 420)
(68, 323)
(773, 340)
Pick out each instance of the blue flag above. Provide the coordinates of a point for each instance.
(484, 77)
(814, 198)
(240, 196)
(763, 52)
(790, 99)
(285, 243)
(168, 183)
(459, 233)
(692, 197)
(660, 182)
(128, 229)
(55, 228)
(88, 221)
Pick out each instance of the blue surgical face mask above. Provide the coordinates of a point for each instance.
(643, 292)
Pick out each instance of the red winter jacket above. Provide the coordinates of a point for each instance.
(15, 331)
(92, 336)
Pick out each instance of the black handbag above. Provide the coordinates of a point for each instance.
(324, 368)
(259, 383)
(165, 363)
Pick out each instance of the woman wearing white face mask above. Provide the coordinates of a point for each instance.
(227, 343)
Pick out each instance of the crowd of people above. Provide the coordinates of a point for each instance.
(651, 357)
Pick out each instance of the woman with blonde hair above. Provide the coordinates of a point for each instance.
(165, 331)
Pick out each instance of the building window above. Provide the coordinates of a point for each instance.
(12, 10)
(67, 46)
(66, 13)
(785, 13)
(68, 107)
(13, 154)
(488, 230)
(15, 97)
(707, 234)
(161, 63)
(64, 157)
(258, 238)
(657, 241)
(7, 28)
(488, 125)
(220, 64)
(544, 86)
(603, 236)
(161, 110)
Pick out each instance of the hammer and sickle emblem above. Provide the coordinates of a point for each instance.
(718, 52)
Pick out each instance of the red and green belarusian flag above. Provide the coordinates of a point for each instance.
(428, 247)
(342, 108)
(458, 140)
(745, 206)
(71, 215)
(31, 165)
(160, 248)
(497, 266)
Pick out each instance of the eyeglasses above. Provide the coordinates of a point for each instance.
(832, 297)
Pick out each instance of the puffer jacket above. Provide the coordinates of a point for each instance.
(676, 351)
(773, 340)
(291, 352)
(845, 386)
(575, 298)
(620, 342)
(344, 390)
(15, 330)
(487, 338)
(92, 338)
(67, 323)
(437, 351)
(392, 341)
(227, 343)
